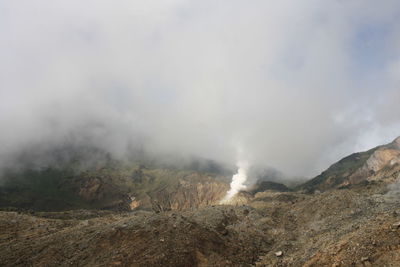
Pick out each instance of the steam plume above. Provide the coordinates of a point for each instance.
(238, 182)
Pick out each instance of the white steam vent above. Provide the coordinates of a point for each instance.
(238, 182)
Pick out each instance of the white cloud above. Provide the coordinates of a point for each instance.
(197, 77)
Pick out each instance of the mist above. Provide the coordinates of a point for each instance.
(292, 85)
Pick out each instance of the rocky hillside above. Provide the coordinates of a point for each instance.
(379, 163)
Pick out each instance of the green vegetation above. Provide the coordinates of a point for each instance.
(39, 189)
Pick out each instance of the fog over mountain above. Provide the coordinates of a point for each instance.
(293, 85)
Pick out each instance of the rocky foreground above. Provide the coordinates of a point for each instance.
(347, 216)
(357, 226)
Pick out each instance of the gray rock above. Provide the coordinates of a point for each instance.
(279, 253)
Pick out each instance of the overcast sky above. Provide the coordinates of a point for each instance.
(294, 85)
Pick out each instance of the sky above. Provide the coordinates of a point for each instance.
(292, 85)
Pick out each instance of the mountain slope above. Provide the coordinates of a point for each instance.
(357, 168)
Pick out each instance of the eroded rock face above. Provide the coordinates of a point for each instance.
(191, 192)
(382, 158)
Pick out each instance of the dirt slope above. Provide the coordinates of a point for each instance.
(208, 237)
